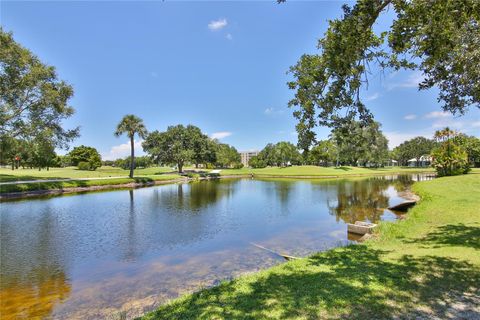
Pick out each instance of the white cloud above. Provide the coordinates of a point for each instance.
(219, 24)
(372, 97)
(396, 138)
(123, 150)
(220, 135)
(229, 36)
(412, 81)
(437, 115)
(410, 117)
(476, 124)
(272, 111)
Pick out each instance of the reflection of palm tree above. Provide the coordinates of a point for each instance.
(130, 253)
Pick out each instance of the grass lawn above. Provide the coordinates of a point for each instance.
(19, 187)
(73, 173)
(321, 171)
(425, 266)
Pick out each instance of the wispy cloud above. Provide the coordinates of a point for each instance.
(372, 97)
(220, 135)
(123, 150)
(396, 138)
(412, 81)
(219, 24)
(271, 111)
(153, 74)
(437, 115)
(410, 117)
(229, 36)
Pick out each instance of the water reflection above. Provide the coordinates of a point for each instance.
(92, 255)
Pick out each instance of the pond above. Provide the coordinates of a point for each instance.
(121, 253)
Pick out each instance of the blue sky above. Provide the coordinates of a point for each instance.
(218, 65)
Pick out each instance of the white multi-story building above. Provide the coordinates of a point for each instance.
(247, 155)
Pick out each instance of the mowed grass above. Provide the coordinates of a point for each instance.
(299, 171)
(53, 185)
(7, 174)
(416, 268)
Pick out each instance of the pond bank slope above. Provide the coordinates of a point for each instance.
(425, 266)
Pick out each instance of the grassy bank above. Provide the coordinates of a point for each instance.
(315, 171)
(54, 185)
(7, 174)
(425, 266)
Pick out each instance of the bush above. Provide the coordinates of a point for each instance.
(238, 165)
(83, 165)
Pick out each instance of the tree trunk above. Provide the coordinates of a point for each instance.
(180, 167)
(132, 157)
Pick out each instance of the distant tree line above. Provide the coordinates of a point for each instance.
(353, 144)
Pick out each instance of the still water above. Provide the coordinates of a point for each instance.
(122, 253)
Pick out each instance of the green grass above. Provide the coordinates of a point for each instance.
(320, 171)
(20, 187)
(414, 269)
(73, 173)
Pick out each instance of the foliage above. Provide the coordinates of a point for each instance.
(84, 165)
(173, 146)
(449, 157)
(86, 154)
(472, 147)
(413, 149)
(359, 144)
(323, 153)
(33, 101)
(140, 162)
(131, 125)
(280, 154)
(256, 162)
(439, 38)
(227, 156)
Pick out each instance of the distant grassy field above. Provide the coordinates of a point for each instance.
(321, 171)
(424, 267)
(73, 173)
(51, 185)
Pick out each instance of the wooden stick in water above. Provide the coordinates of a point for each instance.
(285, 256)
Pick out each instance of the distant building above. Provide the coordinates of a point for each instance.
(424, 161)
(247, 155)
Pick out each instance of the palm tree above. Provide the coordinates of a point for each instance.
(131, 125)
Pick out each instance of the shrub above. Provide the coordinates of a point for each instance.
(238, 165)
(83, 165)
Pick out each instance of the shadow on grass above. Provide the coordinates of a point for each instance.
(351, 283)
(343, 168)
(452, 235)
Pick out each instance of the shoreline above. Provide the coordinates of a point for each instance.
(30, 194)
(412, 263)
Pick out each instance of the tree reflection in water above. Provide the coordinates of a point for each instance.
(33, 273)
(364, 199)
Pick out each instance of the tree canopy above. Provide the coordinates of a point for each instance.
(413, 149)
(33, 101)
(359, 144)
(439, 38)
(88, 155)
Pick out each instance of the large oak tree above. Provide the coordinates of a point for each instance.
(439, 38)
